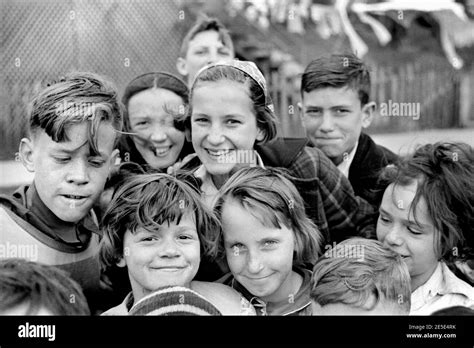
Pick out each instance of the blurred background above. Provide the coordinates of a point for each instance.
(419, 51)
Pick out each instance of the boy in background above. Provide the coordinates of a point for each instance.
(73, 128)
(335, 108)
(208, 41)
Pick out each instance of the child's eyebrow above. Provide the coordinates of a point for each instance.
(340, 106)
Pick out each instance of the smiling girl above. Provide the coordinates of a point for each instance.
(426, 216)
(231, 116)
(268, 241)
(154, 137)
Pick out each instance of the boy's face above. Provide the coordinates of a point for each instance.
(333, 119)
(167, 256)
(67, 177)
(398, 231)
(157, 139)
(203, 49)
(222, 122)
(259, 257)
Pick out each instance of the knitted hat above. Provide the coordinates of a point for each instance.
(174, 300)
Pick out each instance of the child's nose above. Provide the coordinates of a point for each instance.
(327, 124)
(158, 134)
(254, 264)
(215, 136)
(169, 249)
(78, 173)
(393, 236)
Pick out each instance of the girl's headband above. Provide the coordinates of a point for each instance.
(248, 68)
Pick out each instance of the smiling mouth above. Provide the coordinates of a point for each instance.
(162, 151)
(75, 197)
(259, 278)
(168, 269)
(218, 153)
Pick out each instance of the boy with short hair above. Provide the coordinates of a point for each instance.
(30, 288)
(360, 277)
(208, 41)
(73, 129)
(335, 108)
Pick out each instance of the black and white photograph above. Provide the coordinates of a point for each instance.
(235, 159)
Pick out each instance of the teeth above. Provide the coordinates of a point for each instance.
(74, 197)
(218, 153)
(160, 151)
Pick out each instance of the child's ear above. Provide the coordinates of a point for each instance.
(260, 134)
(114, 159)
(122, 263)
(182, 66)
(368, 111)
(299, 107)
(26, 154)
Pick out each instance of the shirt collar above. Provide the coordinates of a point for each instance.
(209, 191)
(346, 163)
(441, 282)
(294, 304)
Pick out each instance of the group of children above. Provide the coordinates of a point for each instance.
(211, 213)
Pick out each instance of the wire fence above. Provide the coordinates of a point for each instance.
(43, 39)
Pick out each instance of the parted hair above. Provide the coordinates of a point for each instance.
(148, 201)
(337, 71)
(361, 272)
(38, 285)
(73, 99)
(271, 198)
(444, 172)
(266, 118)
(202, 24)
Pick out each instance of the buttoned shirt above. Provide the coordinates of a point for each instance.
(442, 290)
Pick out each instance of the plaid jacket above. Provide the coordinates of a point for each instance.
(330, 199)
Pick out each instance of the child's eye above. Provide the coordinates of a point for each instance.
(237, 248)
(342, 111)
(142, 123)
(233, 122)
(97, 163)
(185, 237)
(148, 239)
(200, 120)
(384, 219)
(415, 232)
(313, 113)
(224, 53)
(62, 159)
(269, 243)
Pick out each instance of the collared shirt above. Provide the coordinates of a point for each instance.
(297, 304)
(442, 290)
(347, 161)
(209, 191)
(123, 308)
